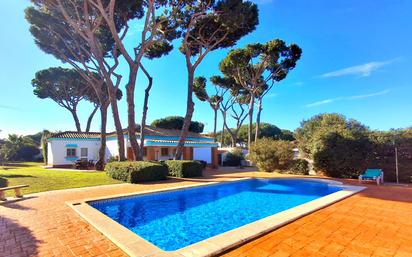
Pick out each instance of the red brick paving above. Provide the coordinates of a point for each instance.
(376, 222)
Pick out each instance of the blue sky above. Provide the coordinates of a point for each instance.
(356, 61)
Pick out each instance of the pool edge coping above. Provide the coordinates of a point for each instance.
(136, 246)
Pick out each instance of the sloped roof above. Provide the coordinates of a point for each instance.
(75, 134)
(152, 131)
(149, 131)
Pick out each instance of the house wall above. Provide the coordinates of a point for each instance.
(58, 150)
(111, 148)
(49, 154)
(155, 153)
(203, 154)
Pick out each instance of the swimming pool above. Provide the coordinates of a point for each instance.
(175, 219)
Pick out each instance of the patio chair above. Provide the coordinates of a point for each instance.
(372, 175)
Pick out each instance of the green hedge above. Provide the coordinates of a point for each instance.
(184, 169)
(133, 172)
(3, 182)
(299, 167)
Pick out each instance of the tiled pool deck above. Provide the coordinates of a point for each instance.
(375, 222)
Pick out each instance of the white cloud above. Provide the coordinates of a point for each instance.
(8, 107)
(363, 70)
(384, 92)
(343, 98)
(322, 102)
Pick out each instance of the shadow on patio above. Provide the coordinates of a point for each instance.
(16, 240)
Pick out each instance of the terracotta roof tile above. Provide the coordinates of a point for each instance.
(150, 131)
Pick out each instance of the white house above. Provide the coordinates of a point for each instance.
(160, 144)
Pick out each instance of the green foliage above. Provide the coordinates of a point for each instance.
(19, 148)
(299, 167)
(234, 157)
(64, 86)
(176, 122)
(221, 24)
(338, 146)
(184, 169)
(266, 130)
(134, 172)
(112, 159)
(286, 135)
(204, 163)
(250, 63)
(3, 182)
(270, 155)
(341, 157)
(54, 36)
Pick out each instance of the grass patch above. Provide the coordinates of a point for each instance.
(40, 179)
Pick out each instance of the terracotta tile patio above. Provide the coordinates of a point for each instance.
(376, 222)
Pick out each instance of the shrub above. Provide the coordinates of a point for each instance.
(3, 182)
(234, 157)
(204, 163)
(112, 159)
(184, 169)
(269, 155)
(341, 157)
(134, 172)
(299, 166)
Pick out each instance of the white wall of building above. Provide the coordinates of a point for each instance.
(203, 154)
(57, 151)
(111, 148)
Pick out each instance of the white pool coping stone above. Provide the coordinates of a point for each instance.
(136, 246)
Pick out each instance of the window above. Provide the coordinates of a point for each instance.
(164, 151)
(83, 152)
(71, 152)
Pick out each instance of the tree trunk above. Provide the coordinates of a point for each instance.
(76, 120)
(250, 114)
(257, 127)
(102, 151)
(117, 123)
(233, 136)
(214, 123)
(90, 119)
(144, 114)
(190, 107)
(222, 135)
(131, 115)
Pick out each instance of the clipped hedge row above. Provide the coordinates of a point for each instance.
(3, 182)
(184, 169)
(134, 172)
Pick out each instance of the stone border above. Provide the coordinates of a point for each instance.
(136, 246)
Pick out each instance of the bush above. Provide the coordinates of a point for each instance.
(112, 159)
(299, 167)
(3, 182)
(204, 163)
(133, 172)
(341, 157)
(270, 155)
(234, 157)
(184, 169)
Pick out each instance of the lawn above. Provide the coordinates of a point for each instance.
(40, 179)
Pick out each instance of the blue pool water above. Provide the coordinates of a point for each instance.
(175, 219)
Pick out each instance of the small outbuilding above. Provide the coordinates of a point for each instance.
(65, 148)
